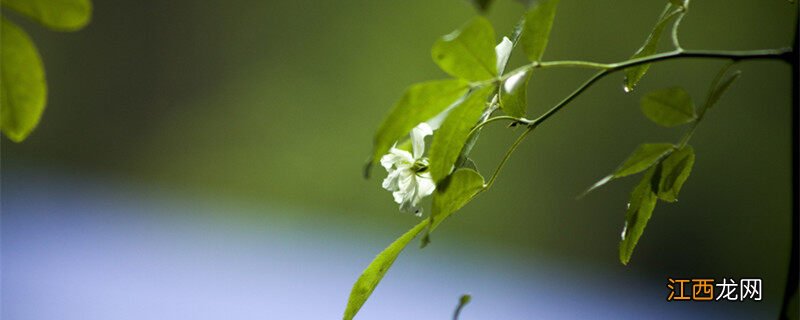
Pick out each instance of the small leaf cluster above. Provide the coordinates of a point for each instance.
(23, 92)
(666, 166)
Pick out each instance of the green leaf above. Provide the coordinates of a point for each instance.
(419, 103)
(454, 132)
(675, 169)
(468, 53)
(722, 88)
(514, 94)
(669, 107)
(453, 194)
(640, 208)
(23, 92)
(645, 156)
(634, 74)
(538, 22)
(373, 274)
(59, 15)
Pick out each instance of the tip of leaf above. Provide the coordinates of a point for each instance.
(367, 169)
(596, 185)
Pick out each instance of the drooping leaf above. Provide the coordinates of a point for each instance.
(669, 107)
(536, 33)
(59, 15)
(373, 274)
(640, 208)
(468, 53)
(451, 195)
(482, 5)
(675, 169)
(454, 132)
(645, 156)
(23, 92)
(722, 88)
(634, 74)
(419, 103)
(514, 94)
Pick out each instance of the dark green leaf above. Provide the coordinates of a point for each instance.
(640, 208)
(482, 5)
(24, 91)
(451, 136)
(645, 156)
(634, 74)
(514, 94)
(59, 15)
(468, 53)
(669, 107)
(721, 88)
(419, 103)
(642, 158)
(675, 169)
(371, 276)
(538, 22)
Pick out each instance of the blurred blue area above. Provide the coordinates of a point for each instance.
(91, 248)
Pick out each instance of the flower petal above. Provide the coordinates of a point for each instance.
(425, 185)
(503, 51)
(391, 181)
(418, 135)
(397, 158)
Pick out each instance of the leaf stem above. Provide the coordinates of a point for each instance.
(702, 113)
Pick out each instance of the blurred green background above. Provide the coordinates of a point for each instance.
(276, 102)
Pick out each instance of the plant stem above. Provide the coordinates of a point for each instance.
(510, 150)
(784, 54)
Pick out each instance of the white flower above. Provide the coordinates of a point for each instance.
(409, 179)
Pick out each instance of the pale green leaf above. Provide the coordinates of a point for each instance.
(645, 156)
(468, 53)
(373, 274)
(669, 107)
(419, 103)
(634, 74)
(640, 208)
(454, 132)
(454, 193)
(514, 94)
(722, 88)
(675, 169)
(59, 15)
(536, 33)
(23, 90)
